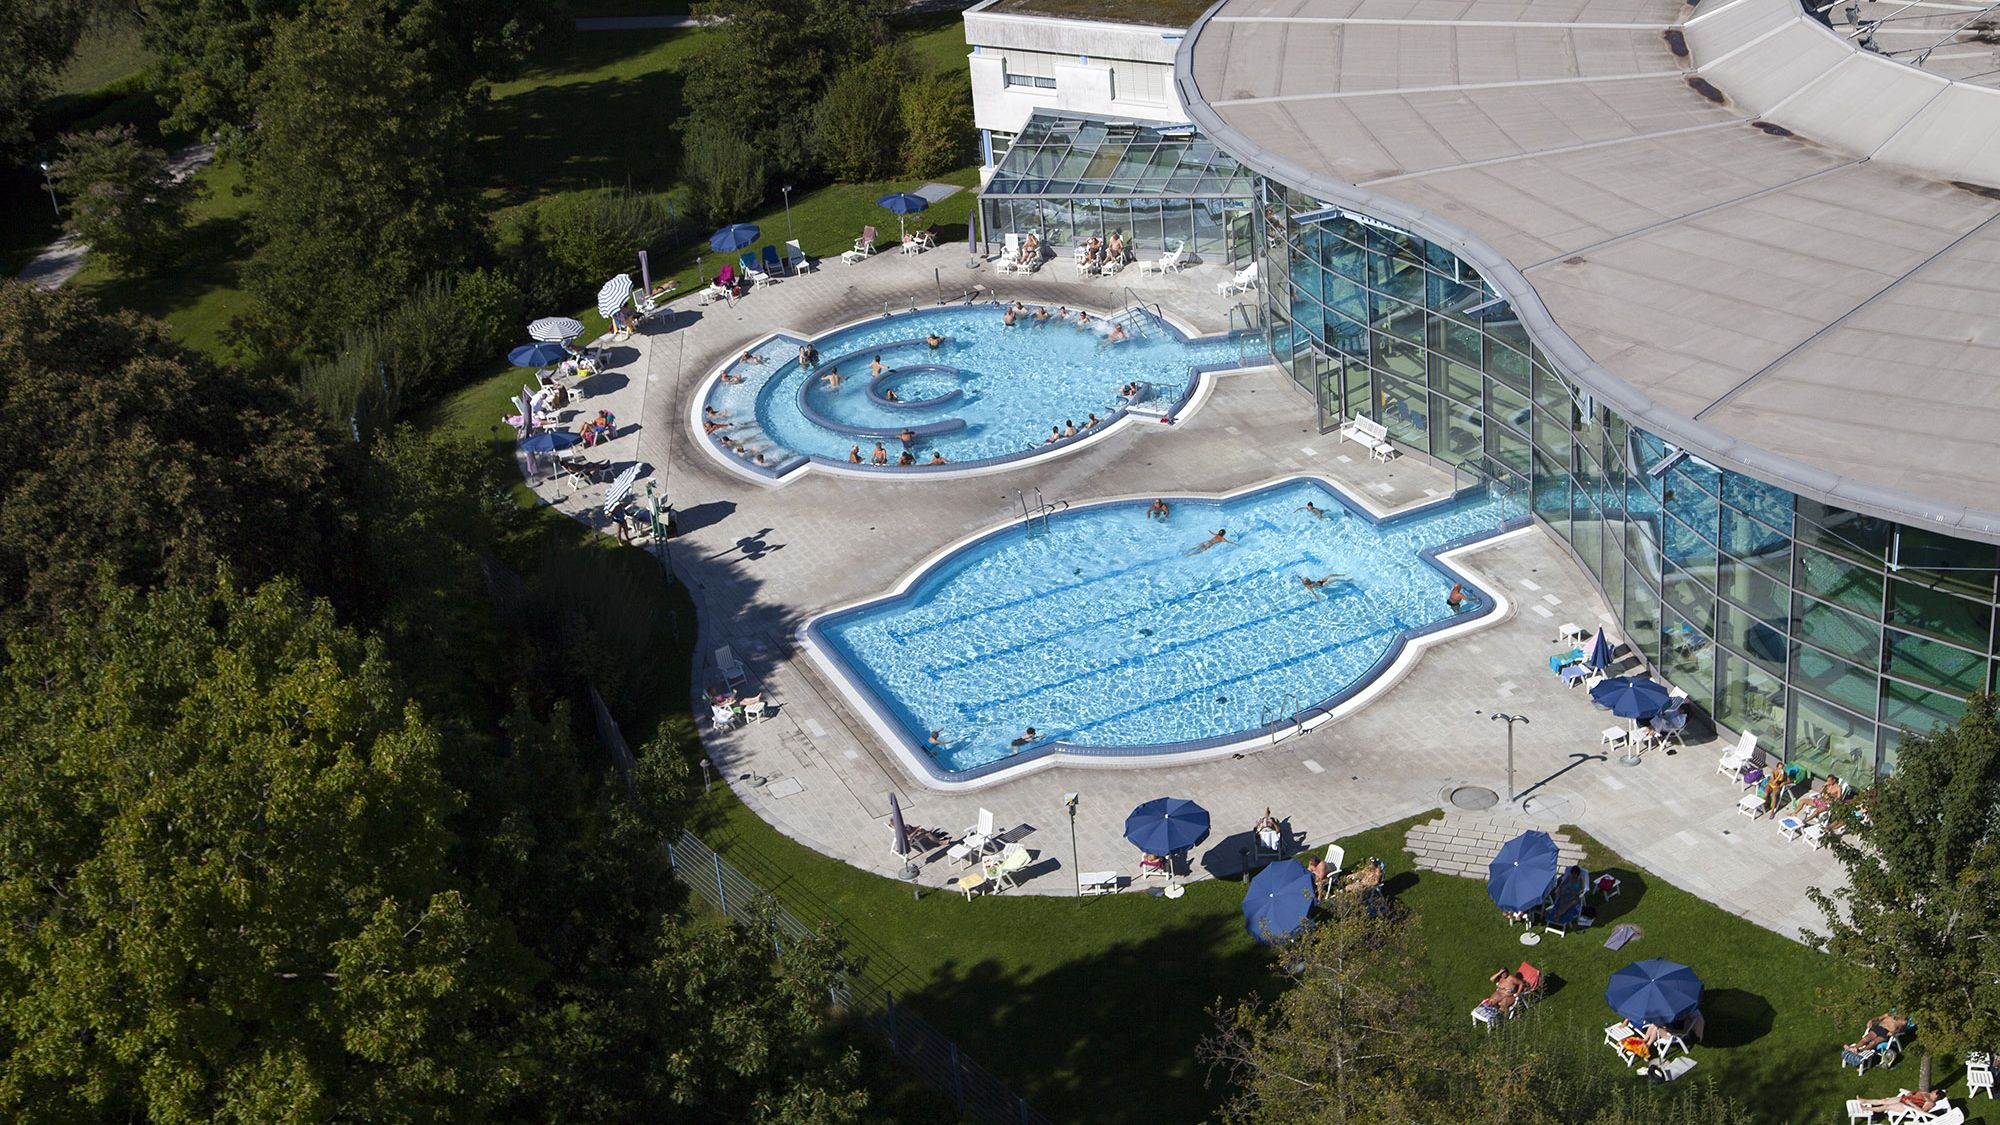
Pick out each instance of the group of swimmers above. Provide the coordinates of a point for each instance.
(1159, 510)
(715, 422)
(1070, 429)
(1017, 312)
(904, 459)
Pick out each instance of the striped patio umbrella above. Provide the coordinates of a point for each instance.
(621, 487)
(556, 329)
(613, 294)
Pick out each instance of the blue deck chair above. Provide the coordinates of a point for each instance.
(770, 259)
(748, 261)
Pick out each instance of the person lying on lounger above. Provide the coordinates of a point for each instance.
(1880, 1030)
(1507, 986)
(1916, 1099)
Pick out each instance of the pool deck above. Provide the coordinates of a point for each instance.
(760, 558)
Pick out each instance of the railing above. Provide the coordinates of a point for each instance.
(1285, 714)
(929, 1054)
(1040, 511)
(1132, 299)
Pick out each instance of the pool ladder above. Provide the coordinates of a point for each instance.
(1283, 718)
(1035, 517)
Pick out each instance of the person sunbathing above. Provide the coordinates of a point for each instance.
(1507, 986)
(1922, 1100)
(1322, 874)
(1368, 878)
(1880, 1030)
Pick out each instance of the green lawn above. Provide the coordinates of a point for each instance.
(108, 52)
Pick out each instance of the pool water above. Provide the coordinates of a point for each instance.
(1104, 631)
(1012, 384)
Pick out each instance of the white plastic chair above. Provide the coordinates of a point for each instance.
(1169, 262)
(730, 667)
(1978, 1074)
(1244, 281)
(864, 247)
(724, 718)
(1736, 757)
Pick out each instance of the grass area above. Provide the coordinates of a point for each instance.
(1160, 13)
(108, 52)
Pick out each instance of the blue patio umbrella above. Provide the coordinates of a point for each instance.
(549, 441)
(1655, 991)
(1165, 825)
(1630, 698)
(1520, 876)
(735, 236)
(536, 355)
(1279, 899)
(1598, 656)
(902, 203)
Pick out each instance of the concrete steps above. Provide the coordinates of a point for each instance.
(1463, 844)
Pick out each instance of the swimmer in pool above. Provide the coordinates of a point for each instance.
(832, 378)
(880, 456)
(934, 340)
(1041, 315)
(854, 455)
(1116, 334)
(1027, 737)
(889, 395)
(1157, 510)
(1221, 536)
(1318, 584)
(878, 367)
(1318, 512)
(936, 458)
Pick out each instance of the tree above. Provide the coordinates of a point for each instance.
(936, 116)
(148, 464)
(725, 172)
(37, 38)
(358, 165)
(212, 51)
(224, 868)
(772, 66)
(1922, 892)
(600, 233)
(123, 200)
(858, 127)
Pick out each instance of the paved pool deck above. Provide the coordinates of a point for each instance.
(760, 558)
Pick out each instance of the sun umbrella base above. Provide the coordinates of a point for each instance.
(1629, 758)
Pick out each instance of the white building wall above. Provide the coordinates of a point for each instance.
(1109, 69)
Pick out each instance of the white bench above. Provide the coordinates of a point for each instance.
(1099, 883)
(1370, 433)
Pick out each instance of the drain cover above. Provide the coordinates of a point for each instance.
(1474, 797)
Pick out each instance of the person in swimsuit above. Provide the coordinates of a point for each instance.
(854, 455)
(832, 378)
(1157, 510)
(1221, 536)
(1318, 512)
(1318, 584)
(880, 456)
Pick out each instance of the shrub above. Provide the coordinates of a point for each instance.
(936, 123)
(490, 307)
(451, 327)
(725, 175)
(857, 129)
(594, 235)
(121, 198)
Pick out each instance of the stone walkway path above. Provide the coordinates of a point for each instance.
(1463, 844)
(65, 257)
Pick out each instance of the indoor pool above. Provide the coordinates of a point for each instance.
(1107, 629)
(988, 392)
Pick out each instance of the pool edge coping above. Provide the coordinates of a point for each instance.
(797, 465)
(1387, 671)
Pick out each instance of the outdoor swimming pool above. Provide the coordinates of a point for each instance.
(1105, 634)
(988, 393)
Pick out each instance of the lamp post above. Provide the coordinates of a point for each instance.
(52, 190)
(1069, 803)
(787, 189)
(1511, 720)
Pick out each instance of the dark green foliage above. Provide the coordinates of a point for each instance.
(212, 51)
(858, 128)
(771, 69)
(37, 37)
(429, 342)
(490, 312)
(359, 165)
(724, 172)
(122, 200)
(936, 123)
(1923, 885)
(597, 234)
(148, 464)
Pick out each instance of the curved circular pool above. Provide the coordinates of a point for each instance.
(1113, 632)
(987, 392)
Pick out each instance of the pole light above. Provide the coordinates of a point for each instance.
(787, 189)
(52, 190)
(1076, 868)
(1511, 720)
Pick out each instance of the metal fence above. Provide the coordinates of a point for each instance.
(865, 995)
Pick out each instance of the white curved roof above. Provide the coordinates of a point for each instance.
(1765, 244)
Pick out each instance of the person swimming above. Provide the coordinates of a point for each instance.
(936, 459)
(1116, 334)
(1318, 512)
(1321, 583)
(889, 395)
(934, 340)
(907, 436)
(832, 378)
(877, 367)
(854, 455)
(1221, 536)
(1455, 600)
(1028, 736)
(1157, 510)
(880, 456)
(1007, 318)
(1041, 314)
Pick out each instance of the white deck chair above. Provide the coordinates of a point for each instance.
(1170, 262)
(984, 828)
(1009, 254)
(730, 667)
(1244, 281)
(864, 247)
(1736, 757)
(795, 258)
(723, 717)
(1009, 863)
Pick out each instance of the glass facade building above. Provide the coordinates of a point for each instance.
(1067, 177)
(1826, 632)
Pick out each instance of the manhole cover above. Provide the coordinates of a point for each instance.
(1474, 797)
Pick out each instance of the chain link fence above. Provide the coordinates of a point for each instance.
(865, 995)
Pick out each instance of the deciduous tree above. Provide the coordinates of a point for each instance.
(1922, 898)
(936, 123)
(37, 38)
(858, 127)
(123, 200)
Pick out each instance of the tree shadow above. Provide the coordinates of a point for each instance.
(207, 257)
(1734, 1017)
(580, 135)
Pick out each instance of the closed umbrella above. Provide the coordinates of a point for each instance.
(549, 441)
(896, 825)
(902, 203)
(613, 294)
(1278, 901)
(1520, 876)
(1656, 991)
(1598, 656)
(556, 329)
(536, 355)
(620, 487)
(735, 236)
(1166, 825)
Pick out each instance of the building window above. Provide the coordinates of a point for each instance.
(1031, 69)
(1139, 82)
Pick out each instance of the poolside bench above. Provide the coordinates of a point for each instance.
(1370, 433)
(1099, 883)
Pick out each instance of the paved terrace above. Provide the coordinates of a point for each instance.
(761, 558)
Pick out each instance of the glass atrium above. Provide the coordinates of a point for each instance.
(1068, 176)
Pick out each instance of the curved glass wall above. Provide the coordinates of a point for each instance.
(1824, 631)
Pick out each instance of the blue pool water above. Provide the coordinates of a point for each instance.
(1102, 631)
(998, 389)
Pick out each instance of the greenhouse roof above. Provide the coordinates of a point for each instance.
(1072, 155)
